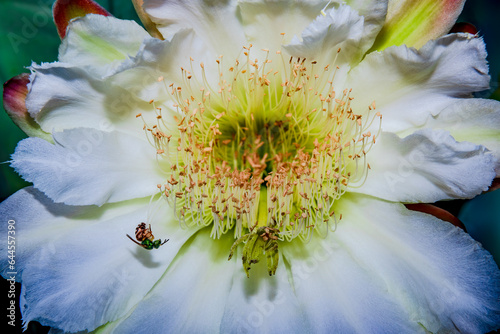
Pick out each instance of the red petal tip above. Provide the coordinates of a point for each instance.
(494, 185)
(14, 95)
(436, 212)
(464, 27)
(66, 10)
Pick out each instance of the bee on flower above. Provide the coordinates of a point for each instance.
(146, 238)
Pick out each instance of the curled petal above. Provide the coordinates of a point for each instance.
(374, 13)
(261, 17)
(473, 120)
(419, 82)
(66, 10)
(64, 97)
(14, 95)
(101, 43)
(163, 58)
(340, 29)
(14, 101)
(215, 22)
(427, 166)
(146, 20)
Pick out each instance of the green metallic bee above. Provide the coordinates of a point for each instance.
(146, 237)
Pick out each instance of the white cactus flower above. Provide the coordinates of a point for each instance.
(273, 131)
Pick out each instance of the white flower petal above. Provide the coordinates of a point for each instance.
(264, 21)
(87, 166)
(100, 43)
(78, 268)
(263, 303)
(166, 60)
(389, 268)
(64, 97)
(427, 166)
(408, 85)
(338, 295)
(340, 28)
(385, 268)
(374, 12)
(191, 295)
(29, 209)
(215, 22)
(201, 287)
(473, 120)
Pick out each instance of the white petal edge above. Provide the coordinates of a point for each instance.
(473, 120)
(64, 97)
(100, 43)
(426, 166)
(87, 166)
(215, 22)
(342, 28)
(391, 268)
(408, 85)
(264, 21)
(77, 267)
(374, 12)
(159, 63)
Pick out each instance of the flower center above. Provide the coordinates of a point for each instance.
(265, 148)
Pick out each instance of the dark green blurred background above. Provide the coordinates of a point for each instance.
(28, 34)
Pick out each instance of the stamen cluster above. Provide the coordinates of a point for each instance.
(262, 147)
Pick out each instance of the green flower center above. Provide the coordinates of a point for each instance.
(269, 146)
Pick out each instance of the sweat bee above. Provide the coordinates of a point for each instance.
(146, 237)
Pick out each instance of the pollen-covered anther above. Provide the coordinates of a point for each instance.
(258, 242)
